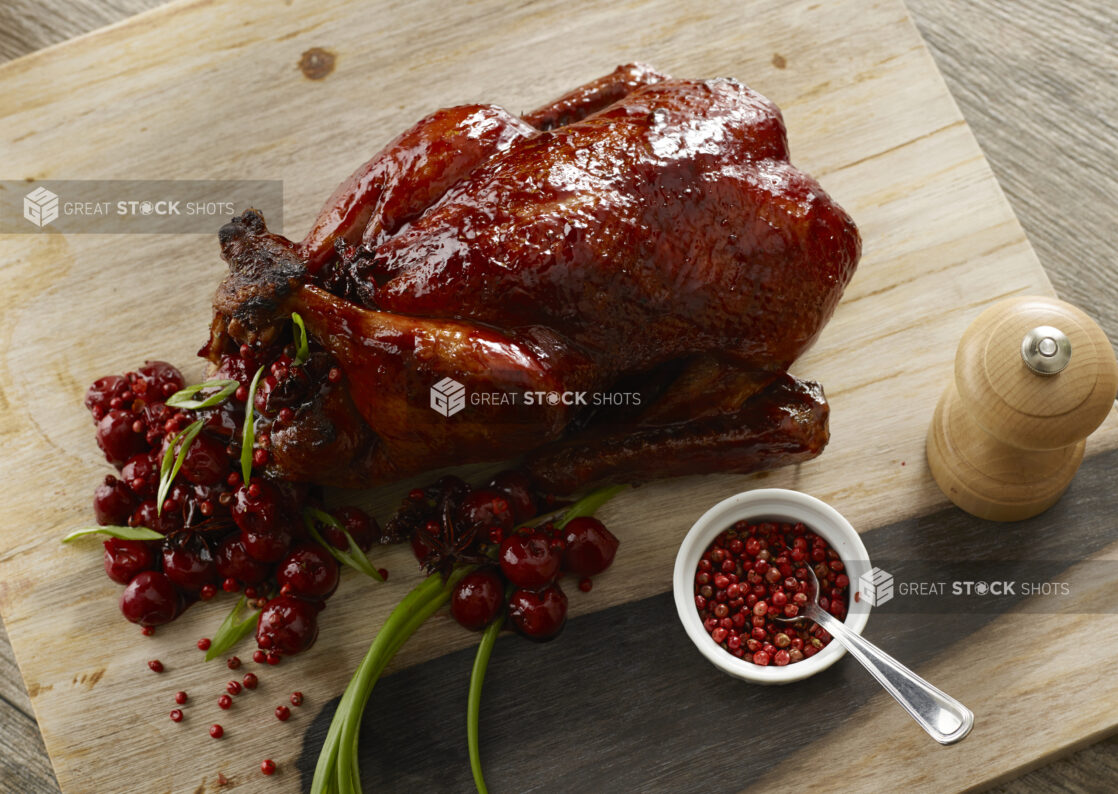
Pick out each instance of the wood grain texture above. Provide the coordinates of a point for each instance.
(341, 163)
(1035, 82)
(27, 26)
(24, 765)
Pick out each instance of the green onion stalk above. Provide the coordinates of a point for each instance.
(337, 771)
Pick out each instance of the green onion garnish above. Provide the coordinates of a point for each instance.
(182, 398)
(172, 461)
(233, 629)
(302, 347)
(248, 432)
(124, 533)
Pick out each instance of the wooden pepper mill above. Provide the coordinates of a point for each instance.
(1034, 376)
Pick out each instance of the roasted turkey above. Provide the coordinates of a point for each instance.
(619, 280)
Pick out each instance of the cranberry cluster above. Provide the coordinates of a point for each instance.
(752, 573)
(450, 523)
(218, 530)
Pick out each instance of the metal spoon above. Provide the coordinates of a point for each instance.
(944, 718)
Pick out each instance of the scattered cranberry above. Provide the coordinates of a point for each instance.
(282, 713)
(296, 698)
(538, 615)
(206, 461)
(272, 658)
(176, 715)
(217, 731)
(233, 562)
(268, 766)
(117, 439)
(113, 502)
(308, 571)
(188, 563)
(477, 599)
(528, 561)
(180, 697)
(590, 546)
(150, 599)
(126, 558)
(161, 378)
(233, 663)
(204, 644)
(103, 391)
(585, 583)
(250, 681)
(224, 702)
(258, 657)
(156, 666)
(287, 625)
(264, 516)
(233, 687)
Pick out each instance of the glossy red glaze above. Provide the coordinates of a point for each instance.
(642, 234)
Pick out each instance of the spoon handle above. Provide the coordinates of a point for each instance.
(944, 718)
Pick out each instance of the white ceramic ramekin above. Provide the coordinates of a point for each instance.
(769, 504)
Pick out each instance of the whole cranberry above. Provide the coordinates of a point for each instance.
(113, 502)
(233, 562)
(126, 558)
(528, 561)
(476, 599)
(188, 562)
(362, 527)
(262, 507)
(538, 615)
(308, 571)
(163, 379)
(590, 546)
(206, 461)
(150, 599)
(117, 439)
(287, 625)
(265, 518)
(485, 509)
(146, 516)
(103, 390)
(225, 420)
(516, 488)
(267, 546)
(141, 472)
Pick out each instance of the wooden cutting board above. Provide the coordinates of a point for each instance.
(207, 90)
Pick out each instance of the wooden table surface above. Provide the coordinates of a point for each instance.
(1035, 83)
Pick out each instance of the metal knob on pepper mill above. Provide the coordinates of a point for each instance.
(1034, 376)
